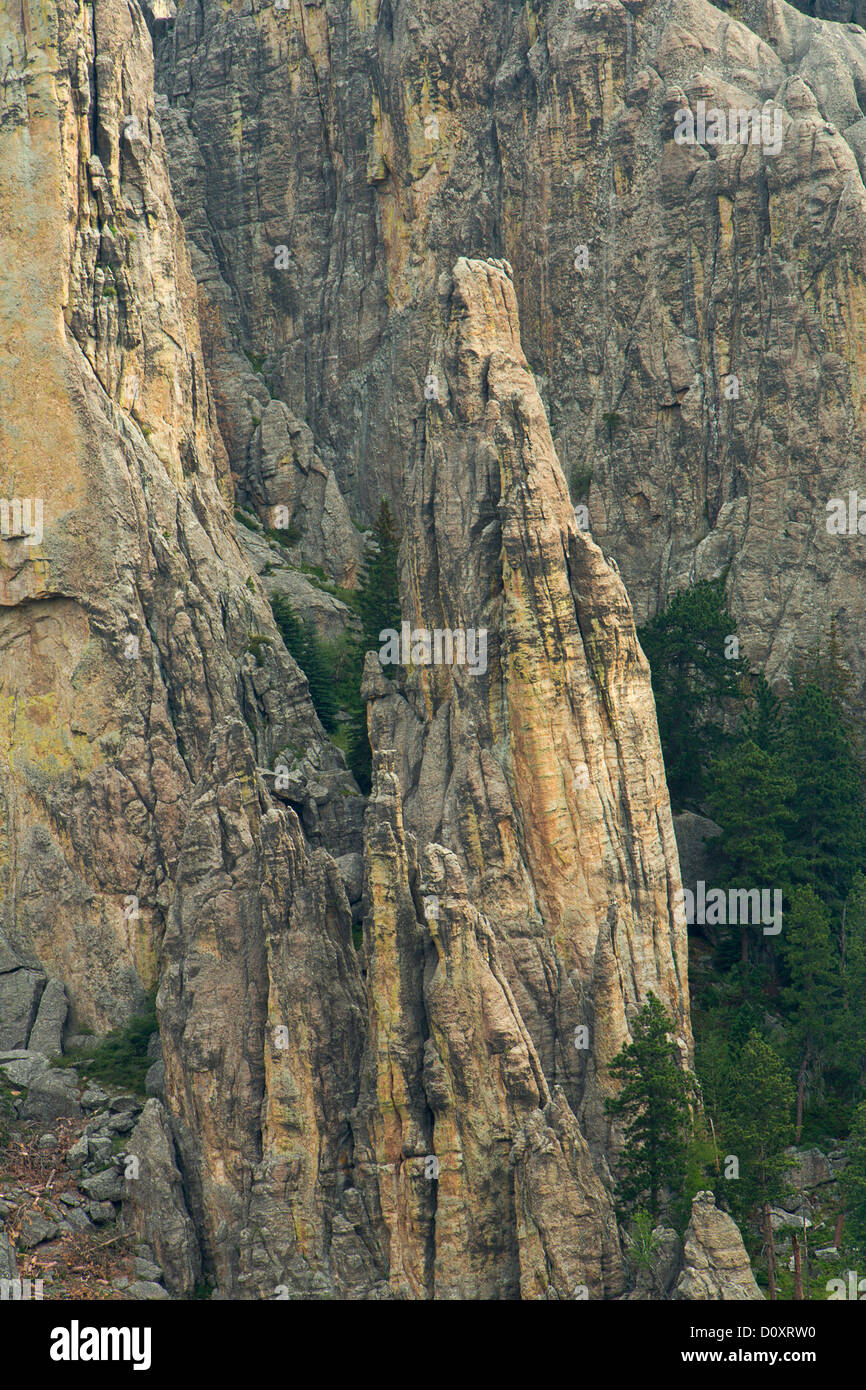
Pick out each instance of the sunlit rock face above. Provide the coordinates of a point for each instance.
(128, 622)
(691, 311)
(338, 255)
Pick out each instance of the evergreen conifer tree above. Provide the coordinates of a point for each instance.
(654, 1101)
(827, 837)
(750, 796)
(813, 968)
(757, 1128)
(854, 1186)
(693, 676)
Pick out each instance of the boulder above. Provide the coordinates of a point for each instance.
(106, 1186)
(694, 835)
(808, 1168)
(46, 1035)
(146, 1289)
(35, 1229)
(20, 992)
(52, 1095)
(154, 1081)
(153, 1202)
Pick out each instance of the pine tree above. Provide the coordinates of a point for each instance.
(854, 1186)
(813, 968)
(379, 593)
(306, 648)
(713, 1069)
(827, 837)
(762, 718)
(654, 1100)
(693, 679)
(757, 1128)
(852, 1020)
(750, 797)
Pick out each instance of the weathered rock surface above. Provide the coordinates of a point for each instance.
(126, 626)
(655, 1278)
(46, 1036)
(523, 769)
(154, 1207)
(702, 368)
(695, 835)
(20, 991)
(423, 1118)
(485, 1183)
(261, 1014)
(8, 1262)
(716, 1265)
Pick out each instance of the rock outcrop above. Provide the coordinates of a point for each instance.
(130, 625)
(716, 1265)
(154, 1207)
(690, 311)
(184, 328)
(530, 769)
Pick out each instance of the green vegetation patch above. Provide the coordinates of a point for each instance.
(120, 1059)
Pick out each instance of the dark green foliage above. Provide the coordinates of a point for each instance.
(378, 605)
(312, 656)
(286, 536)
(579, 481)
(750, 796)
(654, 1101)
(379, 593)
(852, 1021)
(255, 359)
(694, 683)
(813, 970)
(120, 1059)
(762, 717)
(334, 672)
(854, 1187)
(779, 1019)
(257, 643)
(757, 1124)
(826, 840)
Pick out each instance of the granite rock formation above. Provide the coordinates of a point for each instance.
(715, 1266)
(280, 281)
(131, 627)
(690, 312)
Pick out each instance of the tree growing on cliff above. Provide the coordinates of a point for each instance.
(854, 1186)
(827, 838)
(811, 997)
(655, 1102)
(750, 796)
(696, 670)
(378, 604)
(757, 1127)
(309, 652)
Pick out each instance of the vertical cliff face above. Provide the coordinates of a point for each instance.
(422, 1117)
(126, 622)
(690, 312)
(542, 772)
(482, 1180)
(438, 1130)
